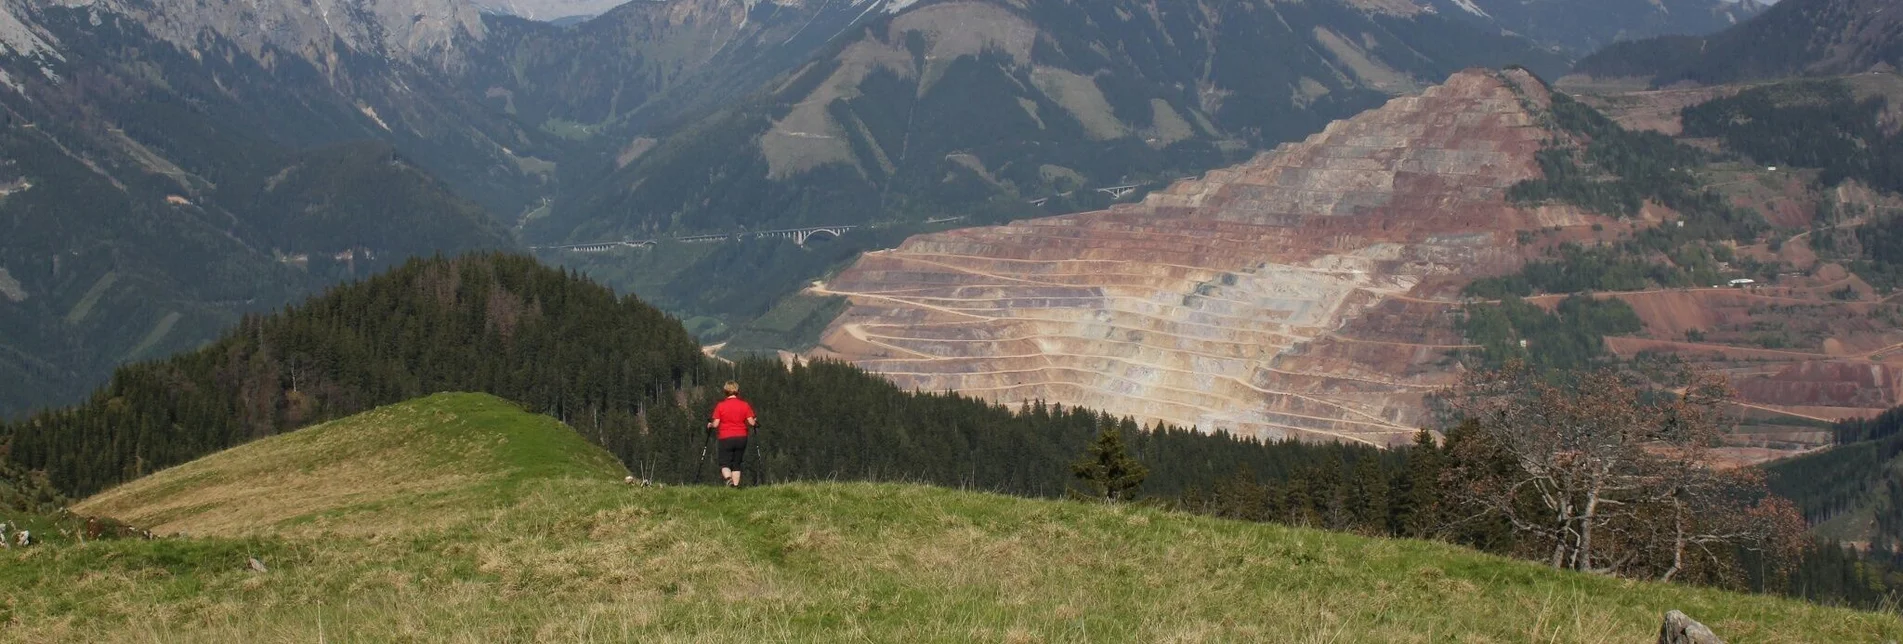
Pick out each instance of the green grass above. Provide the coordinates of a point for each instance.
(158, 332)
(422, 461)
(86, 302)
(571, 130)
(794, 324)
(571, 554)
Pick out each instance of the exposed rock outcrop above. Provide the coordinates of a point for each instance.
(1308, 293)
(416, 31)
(1681, 629)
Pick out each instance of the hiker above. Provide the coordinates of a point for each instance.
(733, 418)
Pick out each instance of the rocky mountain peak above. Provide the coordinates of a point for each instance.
(427, 32)
(553, 10)
(18, 35)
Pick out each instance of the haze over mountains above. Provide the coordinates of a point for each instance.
(151, 190)
(653, 119)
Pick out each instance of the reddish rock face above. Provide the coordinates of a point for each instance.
(1825, 384)
(1305, 294)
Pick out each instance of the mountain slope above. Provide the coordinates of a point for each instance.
(386, 466)
(290, 75)
(197, 161)
(593, 559)
(166, 168)
(550, 10)
(1852, 491)
(1795, 37)
(637, 68)
(1584, 27)
(105, 265)
(972, 107)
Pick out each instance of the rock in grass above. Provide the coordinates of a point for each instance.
(257, 565)
(1682, 629)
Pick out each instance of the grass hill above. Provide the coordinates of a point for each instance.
(456, 517)
(395, 463)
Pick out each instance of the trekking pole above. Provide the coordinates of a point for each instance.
(759, 455)
(700, 466)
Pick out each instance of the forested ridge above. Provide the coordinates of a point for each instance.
(1792, 38)
(495, 323)
(1861, 473)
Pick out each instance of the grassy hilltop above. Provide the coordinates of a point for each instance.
(458, 518)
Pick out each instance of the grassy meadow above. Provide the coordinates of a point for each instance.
(458, 519)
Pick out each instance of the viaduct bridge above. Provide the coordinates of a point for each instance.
(1115, 192)
(798, 235)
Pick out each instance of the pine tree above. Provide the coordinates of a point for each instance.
(1414, 507)
(1368, 497)
(1108, 468)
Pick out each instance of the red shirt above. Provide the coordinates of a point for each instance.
(732, 414)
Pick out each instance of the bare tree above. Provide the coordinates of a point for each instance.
(1604, 474)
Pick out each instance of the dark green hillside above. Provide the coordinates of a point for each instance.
(1792, 38)
(1108, 93)
(210, 111)
(106, 275)
(364, 196)
(1853, 493)
(153, 196)
(1583, 27)
(640, 66)
(489, 323)
(1852, 490)
(1817, 124)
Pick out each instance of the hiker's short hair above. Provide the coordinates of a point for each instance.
(731, 388)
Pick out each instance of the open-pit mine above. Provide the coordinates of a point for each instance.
(1309, 293)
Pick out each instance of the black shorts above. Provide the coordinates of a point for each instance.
(730, 452)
